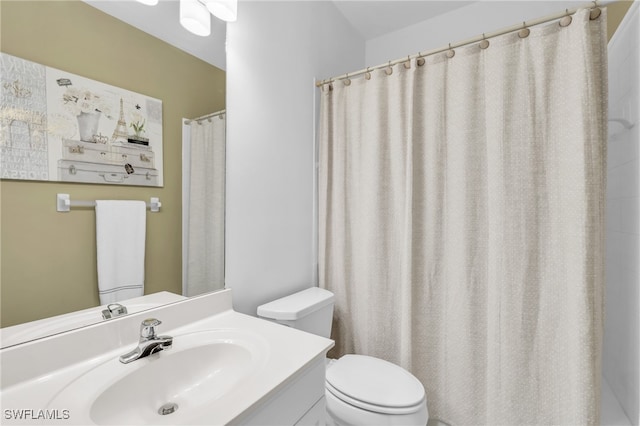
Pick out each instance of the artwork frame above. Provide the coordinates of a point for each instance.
(59, 126)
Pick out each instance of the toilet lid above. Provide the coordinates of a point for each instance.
(374, 382)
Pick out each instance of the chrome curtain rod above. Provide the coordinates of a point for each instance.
(595, 13)
(207, 117)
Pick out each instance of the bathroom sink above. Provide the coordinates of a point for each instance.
(169, 387)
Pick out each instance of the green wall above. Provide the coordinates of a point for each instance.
(48, 259)
(615, 14)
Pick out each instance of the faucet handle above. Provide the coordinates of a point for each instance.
(147, 328)
(113, 310)
(116, 308)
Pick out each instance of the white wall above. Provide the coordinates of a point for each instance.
(458, 25)
(622, 323)
(275, 51)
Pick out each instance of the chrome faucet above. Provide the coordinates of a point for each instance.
(113, 310)
(149, 342)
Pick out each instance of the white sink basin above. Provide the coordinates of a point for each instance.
(200, 368)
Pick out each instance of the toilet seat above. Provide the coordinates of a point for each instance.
(374, 385)
(370, 407)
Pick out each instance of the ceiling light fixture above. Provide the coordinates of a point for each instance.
(195, 17)
(194, 14)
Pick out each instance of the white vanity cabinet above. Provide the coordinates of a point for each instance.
(299, 401)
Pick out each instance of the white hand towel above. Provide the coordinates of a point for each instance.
(120, 236)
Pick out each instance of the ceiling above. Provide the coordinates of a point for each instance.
(371, 18)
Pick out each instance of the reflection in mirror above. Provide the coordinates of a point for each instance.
(49, 259)
(203, 186)
(60, 323)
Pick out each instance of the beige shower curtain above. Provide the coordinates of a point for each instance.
(205, 256)
(461, 223)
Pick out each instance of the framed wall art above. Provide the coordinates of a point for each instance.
(58, 126)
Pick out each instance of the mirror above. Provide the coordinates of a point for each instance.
(48, 259)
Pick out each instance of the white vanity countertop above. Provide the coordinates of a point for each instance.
(283, 353)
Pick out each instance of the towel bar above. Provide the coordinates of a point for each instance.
(64, 203)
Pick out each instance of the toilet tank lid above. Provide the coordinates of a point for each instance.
(297, 305)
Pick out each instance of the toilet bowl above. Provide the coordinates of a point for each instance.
(363, 390)
(359, 389)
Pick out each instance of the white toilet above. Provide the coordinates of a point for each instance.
(359, 389)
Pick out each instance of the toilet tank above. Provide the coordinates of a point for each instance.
(310, 310)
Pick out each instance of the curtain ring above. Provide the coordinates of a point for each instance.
(595, 12)
(407, 65)
(420, 60)
(347, 80)
(450, 53)
(389, 69)
(524, 32)
(367, 74)
(566, 21)
(484, 43)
